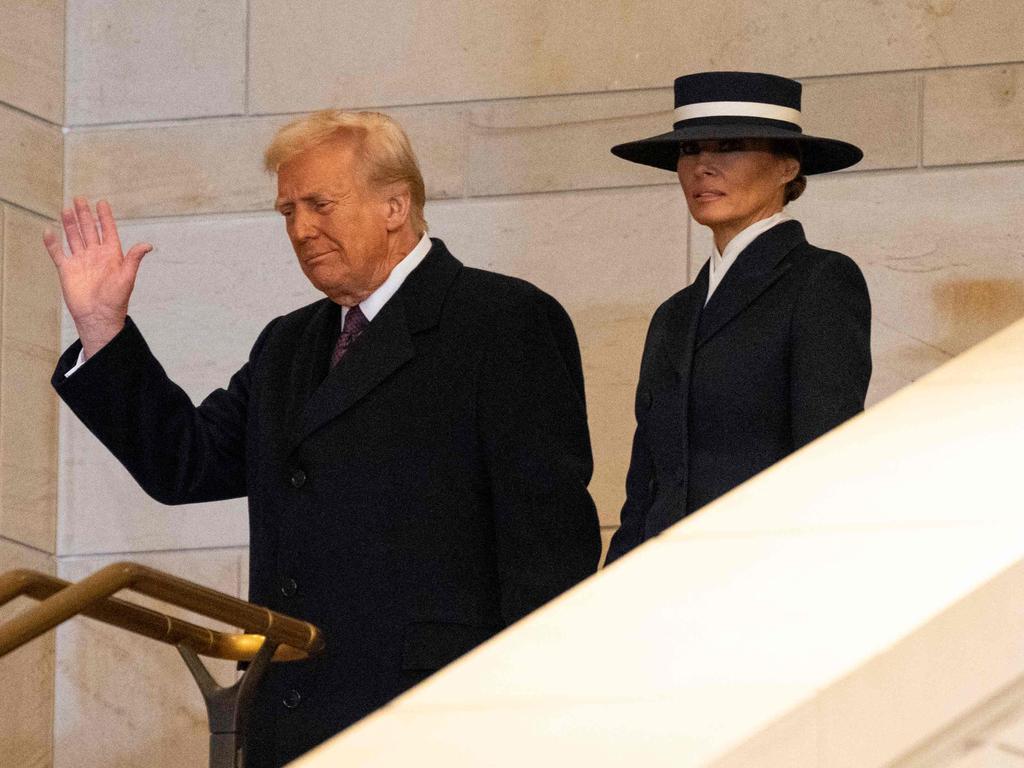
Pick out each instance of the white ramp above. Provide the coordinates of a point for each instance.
(834, 611)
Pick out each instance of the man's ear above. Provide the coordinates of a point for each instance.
(399, 203)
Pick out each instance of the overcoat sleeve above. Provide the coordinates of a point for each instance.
(177, 452)
(831, 348)
(533, 428)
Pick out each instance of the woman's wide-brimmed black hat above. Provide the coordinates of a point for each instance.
(738, 105)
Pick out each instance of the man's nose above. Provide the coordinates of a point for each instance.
(302, 225)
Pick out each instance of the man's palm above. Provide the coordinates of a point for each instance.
(97, 278)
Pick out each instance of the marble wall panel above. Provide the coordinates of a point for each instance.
(28, 409)
(122, 700)
(610, 257)
(482, 49)
(878, 113)
(207, 166)
(32, 57)
(149, 60)
(941, 252)
(600, 246)
(611, 342)
(26, 706)
(216, 166)
(563, 142)
(974, 115)
(31, 158)
(201, 299)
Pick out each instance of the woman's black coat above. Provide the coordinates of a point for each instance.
(779, 356)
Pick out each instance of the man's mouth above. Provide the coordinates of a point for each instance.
(313, 256)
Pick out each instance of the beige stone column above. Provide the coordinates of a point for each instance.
(31, 167)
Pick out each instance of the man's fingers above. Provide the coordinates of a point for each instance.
(71, 231)
(108, 226)
(86, 222)
(136, 252)
(53, 247)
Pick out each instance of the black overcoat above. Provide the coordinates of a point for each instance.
(424, 494)
(779, 356)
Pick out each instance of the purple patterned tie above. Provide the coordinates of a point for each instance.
(355, 323)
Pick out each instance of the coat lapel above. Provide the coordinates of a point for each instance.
(759, 265)
(309, 366)
(385, 346)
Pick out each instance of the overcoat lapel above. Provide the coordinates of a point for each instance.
(309, 366)
(759, 265)
(386, 345)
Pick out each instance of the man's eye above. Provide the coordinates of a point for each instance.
(324, 205)
(730, 145)
(286, 212)
(689, 148)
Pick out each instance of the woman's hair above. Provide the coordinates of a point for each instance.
(387, 156)
(796, 187)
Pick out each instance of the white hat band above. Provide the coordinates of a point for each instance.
(738, 109)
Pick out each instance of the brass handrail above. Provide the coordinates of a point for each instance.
(92, 596)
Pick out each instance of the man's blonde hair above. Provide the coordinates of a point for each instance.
(386, 153)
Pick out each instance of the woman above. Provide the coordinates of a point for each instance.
(769, 347)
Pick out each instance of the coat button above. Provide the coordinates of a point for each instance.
(289, 587)
(298, 478)
(292, 699)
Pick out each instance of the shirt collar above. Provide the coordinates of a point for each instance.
(373, 303)
(720, 262)
(735, 246)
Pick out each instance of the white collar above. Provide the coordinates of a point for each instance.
(746, 236)
(373, 303)
(720, 262)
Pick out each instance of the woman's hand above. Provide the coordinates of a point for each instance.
(96, 278)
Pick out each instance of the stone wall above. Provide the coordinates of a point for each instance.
(512, 107)
(31, 166)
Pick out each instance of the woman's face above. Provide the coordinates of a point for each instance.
(731, 183)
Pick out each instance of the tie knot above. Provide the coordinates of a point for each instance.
(355, 322)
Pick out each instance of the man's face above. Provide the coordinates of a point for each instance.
(338, 225)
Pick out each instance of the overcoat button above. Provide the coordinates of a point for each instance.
(292, 699)
(298, 478)
(645, 399)
(289, 587)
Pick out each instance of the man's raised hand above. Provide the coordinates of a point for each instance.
(96, 278)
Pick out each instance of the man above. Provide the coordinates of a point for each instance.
(414, 447)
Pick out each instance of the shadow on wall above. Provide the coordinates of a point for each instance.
(977, 308)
